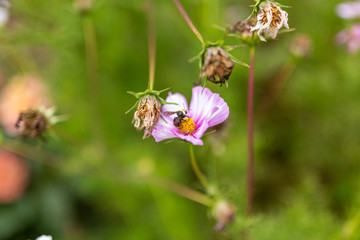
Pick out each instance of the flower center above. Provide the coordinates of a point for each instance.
(187, 126)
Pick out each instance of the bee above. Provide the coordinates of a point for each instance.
(181, 114)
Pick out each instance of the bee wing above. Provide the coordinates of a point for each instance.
(169, 113)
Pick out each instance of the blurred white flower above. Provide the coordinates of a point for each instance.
(4, 12)
(44, 237)
(348, 10)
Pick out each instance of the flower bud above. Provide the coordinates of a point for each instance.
(83, 6)
(224, 213)
(149, 112)
(217, 65)
(244, 28)
(300, 46)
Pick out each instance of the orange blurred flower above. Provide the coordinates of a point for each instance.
(14, 175)
(21, 93)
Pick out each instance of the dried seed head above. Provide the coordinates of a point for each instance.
(149, 111)
(269, 20)
(244, 27)
(217, 65)
(32, 123)
(300, 46)
(224, 214)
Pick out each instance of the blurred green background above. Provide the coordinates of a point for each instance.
(89, 182)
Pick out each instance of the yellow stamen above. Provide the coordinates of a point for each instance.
(187, 126)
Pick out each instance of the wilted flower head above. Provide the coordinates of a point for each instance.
(207, 109)
(300, 46)
(4, 12)
(149, 112)
(350, 37)
(217, 65)
(34, 122)
(270, 19)
(348, 10)
(20, 94)
(224, 213)
(13, 176)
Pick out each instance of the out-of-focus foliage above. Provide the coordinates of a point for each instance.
(91, 181)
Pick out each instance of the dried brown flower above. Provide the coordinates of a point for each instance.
(32, 123)
(217, 65)
(149, 111)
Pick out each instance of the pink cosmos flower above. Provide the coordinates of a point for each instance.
(207, 109)
(350, 37)
(348, 10)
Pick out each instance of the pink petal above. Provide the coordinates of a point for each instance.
(190, 138)
(164, 130)
(208, 107)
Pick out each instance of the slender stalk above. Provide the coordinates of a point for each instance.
(196, 168)
(182, 190)
(250, 120)
(188, 21)
(92, 76)
(151, 42)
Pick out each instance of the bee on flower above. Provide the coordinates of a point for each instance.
(270, 19)
(206, 109)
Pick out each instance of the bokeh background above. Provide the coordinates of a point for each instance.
(90, 179)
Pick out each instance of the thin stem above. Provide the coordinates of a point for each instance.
(250, 120)
(188, 21)
(182, 190)
(196, 168)
(151, 42)
(92, 76)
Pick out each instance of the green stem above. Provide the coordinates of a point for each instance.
(151, 42)
(92, 76)
(196, 168)
(182, 190)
